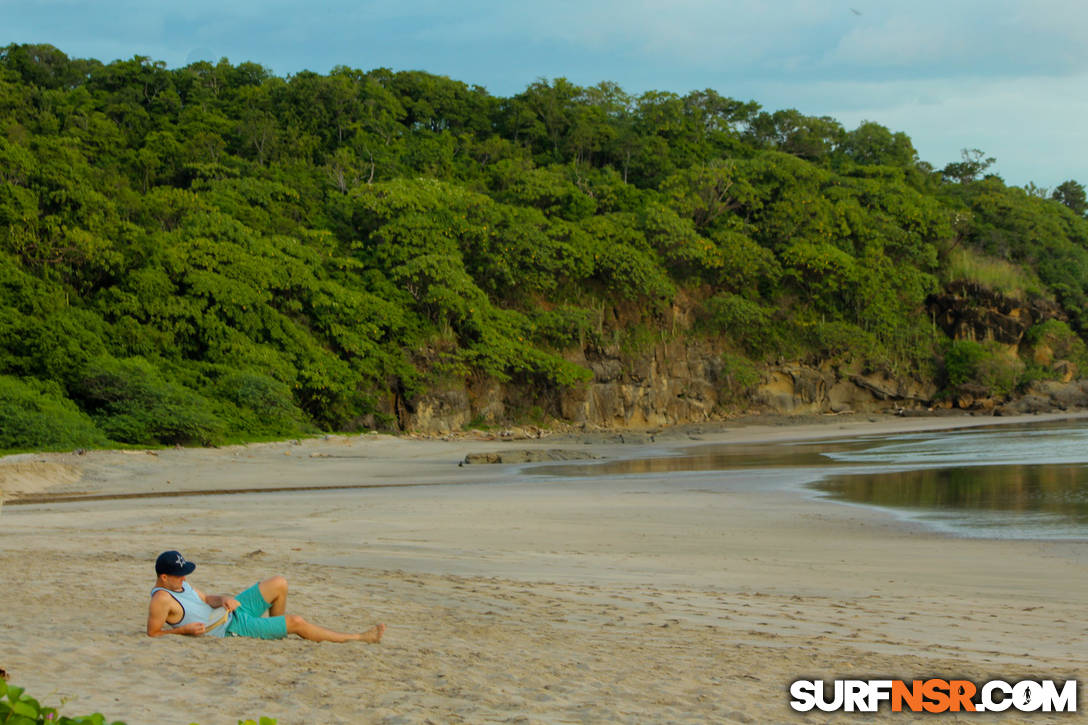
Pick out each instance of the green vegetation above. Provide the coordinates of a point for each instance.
(212, 253)
(738, 376)
(19, 708)
(1054, 340)
(37, 415)
(987, 365)
(999, 275)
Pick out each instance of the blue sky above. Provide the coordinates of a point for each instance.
(1009, 77)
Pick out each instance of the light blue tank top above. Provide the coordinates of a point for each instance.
(195, 609)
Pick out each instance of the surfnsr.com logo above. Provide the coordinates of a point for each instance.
(934, 695)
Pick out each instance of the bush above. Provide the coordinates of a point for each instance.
(264, 406)
(37, 415)
(961, 361)
(986, 365)
(745, 322)
(562, 327)
(132, 403)
(739, 376)
(1053, 340)
(19, 708)
(1001, 373)
(844, 341)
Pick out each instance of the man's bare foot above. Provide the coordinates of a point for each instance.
(373, 635)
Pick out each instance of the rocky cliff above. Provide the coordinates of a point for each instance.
(970, 311)
(686, 379)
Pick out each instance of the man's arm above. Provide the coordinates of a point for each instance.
(218, 600)
(157, 612)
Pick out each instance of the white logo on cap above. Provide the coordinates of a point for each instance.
(181, 560)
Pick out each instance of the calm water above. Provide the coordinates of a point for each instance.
(1016, 482)
(1001, 481)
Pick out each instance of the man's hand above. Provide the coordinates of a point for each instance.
(221, 600)
(194, 628)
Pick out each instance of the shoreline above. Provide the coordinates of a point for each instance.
(510, 598)
(32, 478)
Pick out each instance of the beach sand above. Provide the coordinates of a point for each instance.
(511, 597)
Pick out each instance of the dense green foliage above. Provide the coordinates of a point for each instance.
(984, 364)
(211, 252)
(19, 708)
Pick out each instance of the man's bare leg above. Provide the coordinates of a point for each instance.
(315, 633)
(274, 591)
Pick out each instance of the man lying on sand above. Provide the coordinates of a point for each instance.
(179, 608)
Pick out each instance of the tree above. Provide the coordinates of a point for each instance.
(214, 249)
(705, 193)
(971, 165)
(808, 137)
(716, 114)
(44, 66)
(1037, 191)
(1072, 195)
(871, 143)
(554, 104)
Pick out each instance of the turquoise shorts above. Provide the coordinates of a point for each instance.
(249, 619)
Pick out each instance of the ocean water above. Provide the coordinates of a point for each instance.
(1027, 482)
(1004, 481)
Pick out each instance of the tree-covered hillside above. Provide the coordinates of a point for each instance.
(213, 252)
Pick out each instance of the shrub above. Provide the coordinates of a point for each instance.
(632, 273)
(961, 361)
(1000, 372)
(745, 322)
(739, 376)
(844, 341)
(987, 365)
(562, 327)
(19, 708)
(1056, 338)
(37, 415)
(132, 403)
(264, 406)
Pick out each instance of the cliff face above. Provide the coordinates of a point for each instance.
(969, 311)
(672, 384)
(686, 380)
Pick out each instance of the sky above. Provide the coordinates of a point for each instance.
(1009, 77)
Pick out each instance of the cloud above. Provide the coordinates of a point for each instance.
(814, 39)
(1001, 39)
(923, 39)
(895, 42)
(1031, 125)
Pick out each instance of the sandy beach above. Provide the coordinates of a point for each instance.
(511, 596)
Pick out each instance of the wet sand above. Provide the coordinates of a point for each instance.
(509, 597)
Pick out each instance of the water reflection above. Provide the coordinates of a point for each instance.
(716, 458)
(1006, 481)
(1058, 490)
(1049, 443)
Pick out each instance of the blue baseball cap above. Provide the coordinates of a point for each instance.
(174, 564)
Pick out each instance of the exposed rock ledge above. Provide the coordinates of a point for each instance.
(683, 381)
(677, 384)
